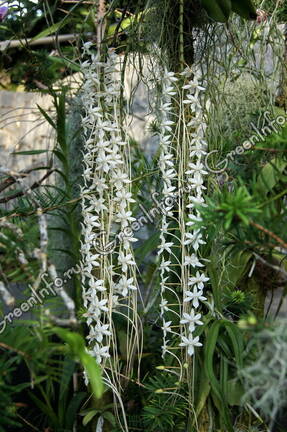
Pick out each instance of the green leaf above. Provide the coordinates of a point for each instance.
(124, 25)
(46, 409)
(148, 247)
(237, 341)
(235, 391)
(78, 349)
(30, 152)
(61, 120)
(209, 357)
(48, 31)
(203, 391)
(110, 418)
(67, 373)
(47, 117)
(219, 387)
(60, 156)
(73, 408)
(74, 340)
(94, 373)
(234, 268)
(64, 62)
(244, 8)
(89, 416)
(270, 176)
(217, 10)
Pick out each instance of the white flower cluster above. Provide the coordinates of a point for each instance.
(106, 200)
(194, 238)
(169, 192)
(193, 194)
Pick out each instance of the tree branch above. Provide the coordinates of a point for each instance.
(269, 233)
(22, 193)
(12, 178)
(42, 41)
(8, 299)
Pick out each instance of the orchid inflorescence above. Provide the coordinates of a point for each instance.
(169, 192)
(193, 238)
(110, 284)
(109, 280)
(187, 199)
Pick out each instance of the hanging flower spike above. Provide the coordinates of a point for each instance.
(106, 202)
(169, 177)
(194, 239)
(194, 171)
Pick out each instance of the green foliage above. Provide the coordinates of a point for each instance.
(162, 412)
(281, 10)
(7, 393)
(230, 208)
(237, 302)
(160, 415)
(220, 10)
(36, 68)
(219, 385)
(78, 349)
(51, 400)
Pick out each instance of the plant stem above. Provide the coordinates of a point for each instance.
(181, 34)
(100, 22)
(280, 195)
(269, 233)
